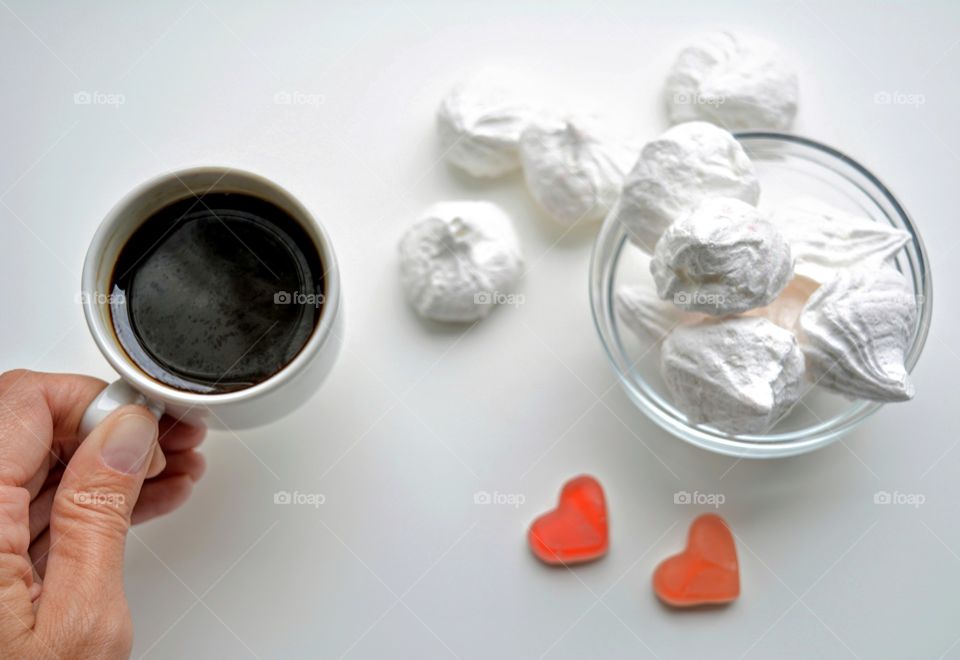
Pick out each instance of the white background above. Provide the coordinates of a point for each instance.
(399, 561)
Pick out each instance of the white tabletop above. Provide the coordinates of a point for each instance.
(399, 561)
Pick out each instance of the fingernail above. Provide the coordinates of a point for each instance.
(157, 462)
(130, 444)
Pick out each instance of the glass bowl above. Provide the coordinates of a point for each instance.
(787, 166)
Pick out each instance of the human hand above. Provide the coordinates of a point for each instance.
(66, 506)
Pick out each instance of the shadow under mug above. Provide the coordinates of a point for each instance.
(264, 402)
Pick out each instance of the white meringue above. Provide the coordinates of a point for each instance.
(573, 170)
(740, 375)
(786, 309)
(677, 171)
(721, 258)
(825, 240)
(855, 331)
(649, 317)
(459, 259)
(735, 80)
(480, 122)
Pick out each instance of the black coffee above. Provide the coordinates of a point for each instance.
(217, 293)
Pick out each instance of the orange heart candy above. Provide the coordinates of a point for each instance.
(576, 531)
(706, 572)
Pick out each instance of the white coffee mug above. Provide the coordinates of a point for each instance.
(261, 403)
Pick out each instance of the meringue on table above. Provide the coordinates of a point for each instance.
(736, 80)
(480, 122)
(572, 168)
(458, 260)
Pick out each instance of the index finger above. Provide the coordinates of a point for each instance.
(39, 417)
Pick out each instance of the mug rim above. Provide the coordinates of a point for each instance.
(105, 337)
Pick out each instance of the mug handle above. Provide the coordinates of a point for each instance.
(116, 394)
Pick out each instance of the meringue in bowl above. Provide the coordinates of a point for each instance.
(787, 167)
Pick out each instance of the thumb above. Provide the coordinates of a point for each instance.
(91, 515)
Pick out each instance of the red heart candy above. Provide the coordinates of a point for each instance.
(576, 531)
(705, 572)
